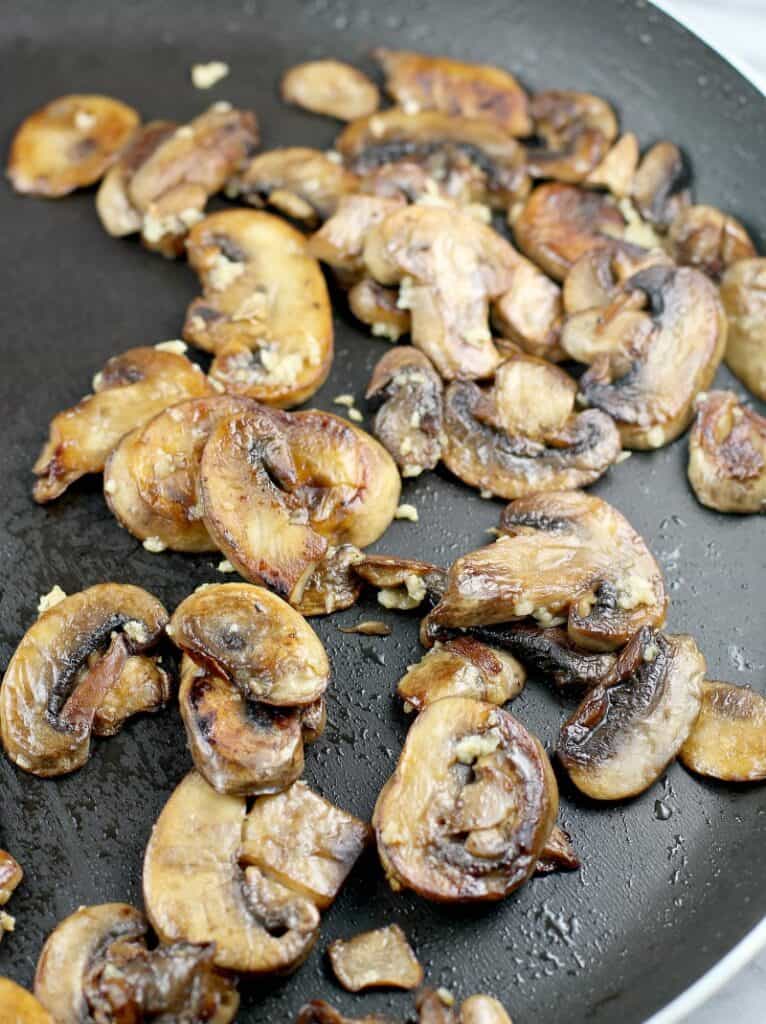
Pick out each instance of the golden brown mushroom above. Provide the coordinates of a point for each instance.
(264, 312)
(659, 186)
(113, 203)
(10, 878)
(711, 241)
(617, 169)
(378, 307)
(467, 812)
(671, 336)
(575, 130)
(628, 729)
(340, 241)
(382, 958)
(743, 292)
(558, 854)
(565, 557)
(530, 313)
(596, 279)
(481, 1009)
(64, 669)
(333, 585)
(320, 1012)
(728, 740)
(21, 1006)
(727, 454)
(69, 143)
(419, 81)
(330, 87)
(402, 583)
(463, 667)
(408, 422)
(503, 440)
(130, 389)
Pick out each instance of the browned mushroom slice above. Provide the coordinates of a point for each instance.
(727, 454)
(69, 143)
(142, 685)
(436, 1007)
(627, 730)
(130, 389)
(21, 1006)
(682, 327)
(299, 182)
(558, 223)
(402, 583)
(575, 130)
(254, 639)
(378, 307)
(379, 959)
(503, 440)
(95, 965)
(330, 87)
(408, 422)
(659, 190)
(113, 203)
(151, 477)
(264, 312)
(705, 238)
(558, 854)
(563, 557)
(10, 878)
(617, 169)
(728, 740)
(420, 81)
(462, 667)
(743, 292)
(334, 585)
(449, 267)
(320, 1012)
(467, 158)
(63, 669)
(172, 185)
(340, 241)
(304, 842)
(530, 312)
(467, 812)
(239, 746)
(597, 277)
(196, 891)
(481, 1009)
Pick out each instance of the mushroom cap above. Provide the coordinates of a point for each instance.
(131, 388)
(617, 169)
(563, 556)
(706, 238)
(743, 293)
(470, 833)
(728, 740)
(330, 87)
(21, 1006)
(113, 203)
(597, 277)
(577, 129)
(659, 185)
(196, 891)
(254, 639)
(264, 313)
(463, 667)
(481, 1009)
(50, 693)
(69, 143)
(382, 958)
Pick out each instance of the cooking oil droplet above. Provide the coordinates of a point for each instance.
(661, 810)
(372, 654)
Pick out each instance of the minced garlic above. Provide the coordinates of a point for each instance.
(54, 596)
(205, 76)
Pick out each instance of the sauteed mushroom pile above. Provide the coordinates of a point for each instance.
(494, 234)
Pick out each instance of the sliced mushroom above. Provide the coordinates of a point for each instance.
(467, 158)
(311, 482)
(462, 667)
(172, 185)
(676, 342)
(63, 670)
(334, 585)
(21, 1006)
(304, 842)
(299, 182)
(659, 185)
(705, 238)
(530, 312)
(151, 479)
(95, 965)
(563, 557)
(481, 1009)
(575, 129)
(436, 1007)
(408, 422)
(378, 959)
(617, 169)
(264, 312)
(450, 266)
(143, 685)
(340, 241)
(402, 583)
(628, 729)
(558, 854)
(69, 143)
(743, 292)
(113, 203)
(196, 891)
(320, 1012)
(728, 740)
(330, 87)
(130, 389)
(256, 640)
(727, 454)
(378, 307)
(467, 812)
(597, 277)
(559, 223)
(502, 439)
(420, 81)
(10, 878)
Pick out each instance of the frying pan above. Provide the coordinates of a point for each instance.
(660, 899)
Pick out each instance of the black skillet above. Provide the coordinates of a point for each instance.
(659, 899)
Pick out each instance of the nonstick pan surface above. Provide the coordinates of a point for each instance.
(660, 898)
